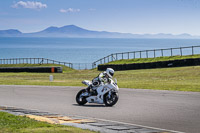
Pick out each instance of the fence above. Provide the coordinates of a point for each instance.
(148, 54)
(33, 61)
(81, 66)
(112, 57)
(78, 66)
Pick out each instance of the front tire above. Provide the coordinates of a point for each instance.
(112, 100)
(80, 99)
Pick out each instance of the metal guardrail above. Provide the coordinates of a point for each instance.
(148, 54)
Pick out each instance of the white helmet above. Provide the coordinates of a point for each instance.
(110, 72)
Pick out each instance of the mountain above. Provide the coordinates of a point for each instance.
(10, 33)
(75, 31)
(78, 32)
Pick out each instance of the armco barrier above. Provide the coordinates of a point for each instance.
(32, 69)
(161, 64)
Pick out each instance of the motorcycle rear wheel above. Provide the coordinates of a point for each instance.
(112, 100)
(79, 99)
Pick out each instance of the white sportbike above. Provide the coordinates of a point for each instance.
(104, 94)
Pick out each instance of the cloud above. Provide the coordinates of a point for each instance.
(29, 4)
(63, 10)
(69, 10)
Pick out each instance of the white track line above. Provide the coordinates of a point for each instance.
(129, 124)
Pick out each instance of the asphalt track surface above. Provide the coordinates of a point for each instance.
(172, 110)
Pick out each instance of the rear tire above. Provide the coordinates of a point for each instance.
(81, 100)
(112, 100)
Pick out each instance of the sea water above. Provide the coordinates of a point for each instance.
(81, 50)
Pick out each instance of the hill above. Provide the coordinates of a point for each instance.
(10, 33)
(78, 32)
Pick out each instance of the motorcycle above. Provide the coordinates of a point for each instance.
(103, 94)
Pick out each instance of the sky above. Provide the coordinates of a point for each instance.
(125, 16)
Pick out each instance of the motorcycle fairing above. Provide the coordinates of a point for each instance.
(100, 91)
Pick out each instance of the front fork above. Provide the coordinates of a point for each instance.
(110, 93)
(89, 88)
(88, 91)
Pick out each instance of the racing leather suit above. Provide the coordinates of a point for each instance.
(100, 79)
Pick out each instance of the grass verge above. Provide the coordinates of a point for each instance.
(157, 59)
(17, 124)
(179, 78)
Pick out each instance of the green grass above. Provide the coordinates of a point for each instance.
(147, 60)
(179, 78)
(17, 124)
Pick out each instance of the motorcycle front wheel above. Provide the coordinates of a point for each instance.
(112, 100)
(80, 99)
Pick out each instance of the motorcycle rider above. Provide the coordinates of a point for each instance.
(103, 78)
(101, 90)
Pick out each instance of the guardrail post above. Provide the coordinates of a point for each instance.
(181, 51)
(147, 54)
(128, 55)
(192, 50)
(162, 52)
(104, 60)
(154, 53)
(134, 55)
(111, 57)
(116, 57)
(171, 52)
(122, 56)
(140, 54)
